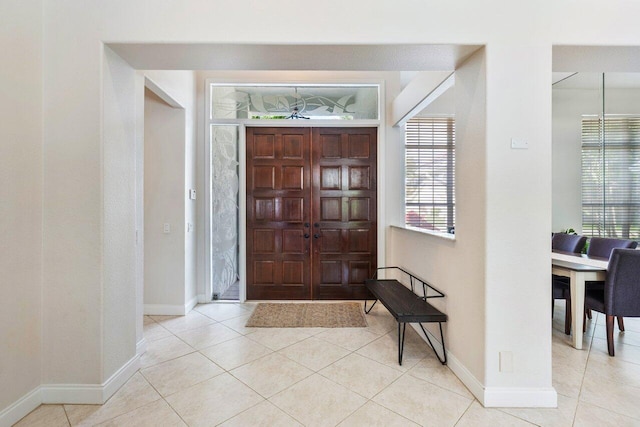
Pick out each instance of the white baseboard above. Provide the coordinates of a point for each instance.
(121, 376)
(170, 309)
(70, 393)
(15, 412)
(459, 370)
(90, 394)
(512, 397)
(189, 305)
(141, 347)
(497, 397)
(468, 379)
(164, 310)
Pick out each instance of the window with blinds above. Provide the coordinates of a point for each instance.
(429, 173)
(611, 176)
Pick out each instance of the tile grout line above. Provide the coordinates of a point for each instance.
(389, 385)
(464, 413)
(350, 352)
(286, 388)
(200, 382)
(316, 372)
(519, 417)
(243, 364)
(328, 379)
(352, 412)
(171, 359)
(224, 371)
(124, 413)
(192, 385)
(584, 373)
(66, 415)
(443, 388)
(165, 400)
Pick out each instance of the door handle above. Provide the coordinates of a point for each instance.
(306, 235)
(316, 236)
(306, 225)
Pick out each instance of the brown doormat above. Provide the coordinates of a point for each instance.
(307, 315)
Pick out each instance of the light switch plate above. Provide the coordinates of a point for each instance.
(519, 144)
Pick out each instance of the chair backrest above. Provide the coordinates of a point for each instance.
(602, 247)
(568, 242)
(622, 288)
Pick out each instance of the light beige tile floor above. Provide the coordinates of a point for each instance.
(206, 368)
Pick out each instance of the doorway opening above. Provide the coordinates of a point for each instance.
(232, 109)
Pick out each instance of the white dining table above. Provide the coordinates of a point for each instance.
(579, 269)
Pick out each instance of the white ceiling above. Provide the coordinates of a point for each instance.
(403, 57)
(620, 59)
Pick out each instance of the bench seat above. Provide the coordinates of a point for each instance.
(407, 307)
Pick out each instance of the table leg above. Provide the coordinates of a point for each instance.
(577, 307)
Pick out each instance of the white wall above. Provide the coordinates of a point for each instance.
(190, 207)
(20, 199)
(164, 202)
(518, 220)
(497, 189)
(169, 172)
(456, 267)
(118, 216)
(180, 87)
(73, 204)
(518, 40)
(445, 104)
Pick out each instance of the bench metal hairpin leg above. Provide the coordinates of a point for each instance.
(365, 306)
(444, 351)
(401, 335)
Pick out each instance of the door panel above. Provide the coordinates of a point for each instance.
(311, 212)
(344, 207)
(278, 206)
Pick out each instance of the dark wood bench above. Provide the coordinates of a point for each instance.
(407, 307)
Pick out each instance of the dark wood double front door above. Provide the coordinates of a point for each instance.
(311, 212)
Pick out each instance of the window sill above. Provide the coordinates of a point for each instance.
(445, 236)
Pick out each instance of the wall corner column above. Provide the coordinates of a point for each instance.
(518, 222)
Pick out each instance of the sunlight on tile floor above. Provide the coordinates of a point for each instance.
(206, 368)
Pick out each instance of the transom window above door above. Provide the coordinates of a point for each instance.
(288, 101)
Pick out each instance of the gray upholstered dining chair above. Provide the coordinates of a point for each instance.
(620, 296)
(602, 247)
(560, 285)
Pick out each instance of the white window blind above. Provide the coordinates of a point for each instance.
(611, 176)
(429, 173)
